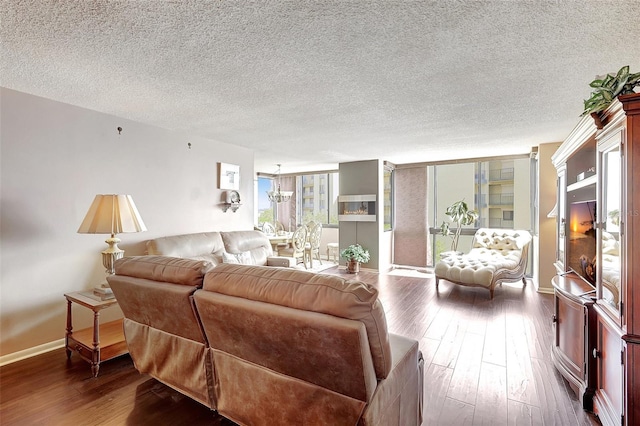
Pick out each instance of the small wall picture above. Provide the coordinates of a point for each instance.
(228, 176)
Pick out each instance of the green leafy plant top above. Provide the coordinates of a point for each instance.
(355, 252)
(460, 214)
(609, 88)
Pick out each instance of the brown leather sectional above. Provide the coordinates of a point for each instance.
(265, 346)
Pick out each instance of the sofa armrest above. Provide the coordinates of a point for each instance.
(398, 399)
(282, 261)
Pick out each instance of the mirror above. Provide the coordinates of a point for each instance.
(610, 249)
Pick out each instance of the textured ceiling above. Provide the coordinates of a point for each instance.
(310, 84)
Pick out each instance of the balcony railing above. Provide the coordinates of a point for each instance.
(480, 200)
(501, 174)
(500, 223)
(501, 199)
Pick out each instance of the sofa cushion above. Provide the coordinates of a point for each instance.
(164, 268)
(501, 239)
(187, 245)
(326, 294)
(478, 266)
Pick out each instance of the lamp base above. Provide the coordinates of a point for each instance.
(111, 254)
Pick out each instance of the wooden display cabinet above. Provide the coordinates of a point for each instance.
(605, 326)
(608, 352)
(574, 333)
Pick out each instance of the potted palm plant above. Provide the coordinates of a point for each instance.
(355, 255)
(460, 214)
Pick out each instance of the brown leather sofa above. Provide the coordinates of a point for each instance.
(246, 247)
(266, 346)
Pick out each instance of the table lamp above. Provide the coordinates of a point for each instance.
(112, 214)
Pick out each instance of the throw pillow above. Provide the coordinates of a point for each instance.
(243, 258)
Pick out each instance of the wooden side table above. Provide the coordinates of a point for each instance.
(87, 341)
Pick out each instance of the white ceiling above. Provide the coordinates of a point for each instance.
(310, 84)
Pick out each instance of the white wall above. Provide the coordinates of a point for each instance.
(54, 159)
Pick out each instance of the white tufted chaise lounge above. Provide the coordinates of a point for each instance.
(496, 255)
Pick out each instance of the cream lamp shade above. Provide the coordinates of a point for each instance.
(112, 214)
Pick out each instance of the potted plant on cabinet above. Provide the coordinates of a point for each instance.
(606, 89)
(460, 214)
(355, 255)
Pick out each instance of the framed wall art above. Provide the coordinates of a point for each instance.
(228, 176)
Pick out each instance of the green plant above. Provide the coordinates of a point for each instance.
(609, 88)
(355, 252)
(459, 214)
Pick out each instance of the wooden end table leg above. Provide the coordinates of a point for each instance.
(68, 331)
(95, 357)
(95, 367)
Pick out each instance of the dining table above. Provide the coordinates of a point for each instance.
(281, 237)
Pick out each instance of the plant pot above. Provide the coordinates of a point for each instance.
(353, 267)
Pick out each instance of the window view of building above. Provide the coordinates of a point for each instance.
(499, 190)
(318, 198)
(494, 193)
(388, 199)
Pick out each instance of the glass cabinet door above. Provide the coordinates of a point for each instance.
(609, 241)
(561, 219)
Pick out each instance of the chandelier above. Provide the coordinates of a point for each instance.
(279, 196)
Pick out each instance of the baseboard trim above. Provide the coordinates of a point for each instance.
(30, 352)
(545, 290)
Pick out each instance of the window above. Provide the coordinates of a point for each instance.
(499, 189)
(387, 201)
(265, 207)
(319, 198)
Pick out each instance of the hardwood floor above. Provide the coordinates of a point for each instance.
(487, 362)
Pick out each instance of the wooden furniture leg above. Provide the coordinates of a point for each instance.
(69, 329)
(95, 358)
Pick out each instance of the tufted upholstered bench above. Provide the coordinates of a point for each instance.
(496, 255)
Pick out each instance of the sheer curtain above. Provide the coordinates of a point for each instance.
(411, 229)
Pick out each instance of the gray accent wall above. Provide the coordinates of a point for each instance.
(363, 178)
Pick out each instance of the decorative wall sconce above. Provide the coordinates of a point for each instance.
(232, 201)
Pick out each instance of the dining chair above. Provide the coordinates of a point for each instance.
(312, 247)
(298, 244)
(268, 228)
